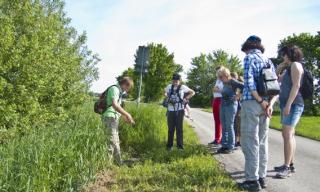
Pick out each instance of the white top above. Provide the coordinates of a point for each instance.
(174, 98)
(218, 84)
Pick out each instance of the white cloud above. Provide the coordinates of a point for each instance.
(186, 27)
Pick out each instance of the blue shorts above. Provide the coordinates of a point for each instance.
(294, 116)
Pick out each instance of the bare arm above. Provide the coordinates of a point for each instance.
(269, 110)
(165, 93)
(124, 113)
(191, 93)
(118, 108)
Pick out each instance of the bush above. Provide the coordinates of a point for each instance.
(45, 67)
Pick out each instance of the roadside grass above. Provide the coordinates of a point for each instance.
(207, 109)
(67, 156)
(308, 126)
(193, 169)
(60, 157)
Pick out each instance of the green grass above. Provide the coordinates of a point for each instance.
(69, 155)
(308, 126)
(61, 157)
(159, 170)
(207, 109)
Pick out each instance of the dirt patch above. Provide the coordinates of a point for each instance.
(103, 182)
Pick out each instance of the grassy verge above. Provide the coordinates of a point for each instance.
(61, 157)
(308, 126)
(68, 155)
(207, 109)
(159, 170)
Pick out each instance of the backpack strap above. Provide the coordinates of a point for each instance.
(178, 93)
(106, 95)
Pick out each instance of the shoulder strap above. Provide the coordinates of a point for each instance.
(106, 95)
(171, 90)
(178, 92)
(266, 63)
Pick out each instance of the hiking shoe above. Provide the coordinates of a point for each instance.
(279, 168)
(262, 182)
(249, 186)
(284, 173)
(224, 150)
(215, 142)
(180, 148)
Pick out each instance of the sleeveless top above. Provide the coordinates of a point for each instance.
(285, 89)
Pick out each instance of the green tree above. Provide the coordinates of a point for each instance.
(202, 74)
(160, 70)
(310, 45)
(45, 66)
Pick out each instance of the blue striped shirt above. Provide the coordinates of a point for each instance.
(253, 65)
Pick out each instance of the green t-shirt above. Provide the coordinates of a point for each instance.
(114, 93)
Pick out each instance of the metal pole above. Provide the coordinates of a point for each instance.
(141, 73)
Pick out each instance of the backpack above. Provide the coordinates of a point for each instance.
(267, 83)
(172, 92)
(100, 106)
(307, 87)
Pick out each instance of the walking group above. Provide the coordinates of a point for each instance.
(242, 108)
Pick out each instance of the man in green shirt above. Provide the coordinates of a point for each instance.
(112, 115)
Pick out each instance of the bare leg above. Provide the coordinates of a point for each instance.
(294, 146)
(287, 134)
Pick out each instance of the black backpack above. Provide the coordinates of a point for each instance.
(100, 106)
(267, 83)
(307, 86)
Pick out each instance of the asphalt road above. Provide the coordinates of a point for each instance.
(307, 159)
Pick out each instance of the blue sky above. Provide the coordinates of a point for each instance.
(115, 28)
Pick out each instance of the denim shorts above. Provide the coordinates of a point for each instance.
(294, 116)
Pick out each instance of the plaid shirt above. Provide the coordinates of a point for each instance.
(253, 65)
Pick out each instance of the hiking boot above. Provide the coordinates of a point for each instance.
(180, 148)
(262, 182)
(249, 186)
(284, 173)
(215, 142)
(223, 150)
(279, 168)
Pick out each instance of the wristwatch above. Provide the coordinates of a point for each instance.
(261, 101)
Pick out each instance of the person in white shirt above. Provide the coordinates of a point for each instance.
(216, 103)
(174, 94)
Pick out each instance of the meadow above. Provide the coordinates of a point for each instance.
(308, 126)
(70, 155)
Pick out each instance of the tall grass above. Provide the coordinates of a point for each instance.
(160, 170)
(60, 157)
(67, 155)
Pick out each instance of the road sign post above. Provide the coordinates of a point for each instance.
(142, 63)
